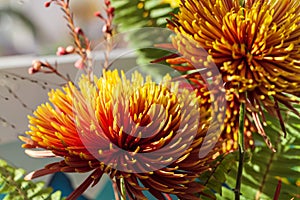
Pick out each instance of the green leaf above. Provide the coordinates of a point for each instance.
(137, 14)
(214, 178)
(14, 187)
(261, 174)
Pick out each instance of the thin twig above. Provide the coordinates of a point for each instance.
(82, 43)
(75, 31)
(107, 30)
(47, 68)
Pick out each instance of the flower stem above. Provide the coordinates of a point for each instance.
(241, 151)
(241, 127)
(123, 191)
(242, 3)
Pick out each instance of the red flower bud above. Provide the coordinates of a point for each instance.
(61, 51)
(107, 2)
(47, 4)
(31, 70)
(98, 14)
(110, 10)
(78, 31)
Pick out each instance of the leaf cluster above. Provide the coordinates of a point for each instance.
(14, 187)
(133, 17)
(265, 169)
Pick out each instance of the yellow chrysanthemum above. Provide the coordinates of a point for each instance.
(224, 100)
(255, 48)
(149, 134)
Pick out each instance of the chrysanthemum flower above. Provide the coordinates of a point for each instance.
(148, 134)
(255, 48)
(225, 100)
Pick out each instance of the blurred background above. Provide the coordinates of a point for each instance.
(27, 27)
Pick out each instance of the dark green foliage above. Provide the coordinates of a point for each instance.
(131, 14)
(216, 177)
(266, 168)
(132, 18)
(14, 187)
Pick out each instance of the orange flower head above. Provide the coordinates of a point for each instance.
(148, 134)
(255, 48)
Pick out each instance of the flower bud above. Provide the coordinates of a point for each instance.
(79, 64)
(61, 51)
(31, 70)
(47, 4)
(110, 10)
(70, 49)
(107, 2)
(98, 14)
(78, 31)
(37, 65)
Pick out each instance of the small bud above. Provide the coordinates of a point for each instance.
(70, 49)
(110, 10)
(47, 4)
(31, 70)
(78, 31)
(61, 51)
(107, 2)
(98, 14)
(79, 64)
(37, 65)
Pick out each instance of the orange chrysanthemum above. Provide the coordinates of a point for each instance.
(149, 134)
(255, 48)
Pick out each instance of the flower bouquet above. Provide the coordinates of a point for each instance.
(211, 110)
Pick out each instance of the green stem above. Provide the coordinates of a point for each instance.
(241, 127)
(123, 190)
(241, 151)
(242, 3)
